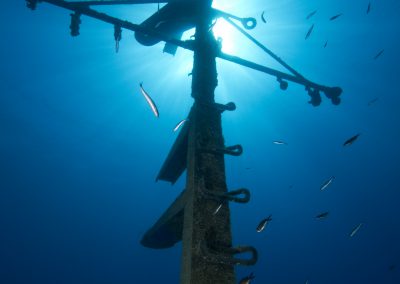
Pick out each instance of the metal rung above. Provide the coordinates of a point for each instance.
(226, 256)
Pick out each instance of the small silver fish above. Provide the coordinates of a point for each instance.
(149, 100)
(378, 54)
(371, 102)
(369, 7)
(309, 31)
(217, 210)
(311, 14)
(247, 279)
(355, 230)
(263, 224)
(335, 17)
(326, 43)
(262, 17)
(322, 215)
(351, 140)
(278, 142)
(327, 183)
(180, 123)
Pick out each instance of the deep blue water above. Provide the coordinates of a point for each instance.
(80, 148)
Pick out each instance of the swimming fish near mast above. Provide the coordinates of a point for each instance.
(378, 54)
(311, 14)
(279, 142)
(262, 17)
(322, 215)
(351, 140)
(355, 230)
(263, 224)
(335, 17)
(247, 279)
(309, 31)
(149, 100)
(327, 183)
(179, 124)
(369, 7)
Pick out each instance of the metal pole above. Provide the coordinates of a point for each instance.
(203, 231)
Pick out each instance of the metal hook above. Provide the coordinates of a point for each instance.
(229, 106)
(226, 256)
(222, 197)
(247, 23)
(235, 150)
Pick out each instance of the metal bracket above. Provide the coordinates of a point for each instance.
(229, 196)
(226, 256)
(235, 150)
(220, 107)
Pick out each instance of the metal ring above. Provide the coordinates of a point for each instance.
(248, 23)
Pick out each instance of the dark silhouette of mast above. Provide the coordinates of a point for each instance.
(200, 216)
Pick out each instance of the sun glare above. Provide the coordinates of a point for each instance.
(223, 30)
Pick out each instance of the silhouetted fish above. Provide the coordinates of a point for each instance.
(355, 230)
(327, 183)
(335, 17)
(371, 102)
(322, 215)
(279, 142)
(311, 14)
(180, 123)
(392, 267)
(263, 224)
(247, 279)
(217, 210)
(149, 100)
(369, 7)
(309, 31)
(262, 17)
(351, 140)
(326, 43)
(378, 54)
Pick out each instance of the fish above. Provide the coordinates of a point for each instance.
(322, 215)
(327, 183)
(311, 14)
(149, 100)
(306, 282)
(217, 210)
(263, 224)
(392, 267)
(309, 31)
(351, 140)
(179, 124)
(247, 279)
(355, 230)
(326, 43)
(371, 102)
(262, 17)
(369, 7)
(378, 54)
(335, 17)
(278, 142)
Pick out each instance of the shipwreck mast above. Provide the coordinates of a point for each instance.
(200, 216)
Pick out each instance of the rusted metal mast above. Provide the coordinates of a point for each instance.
(204, 232)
